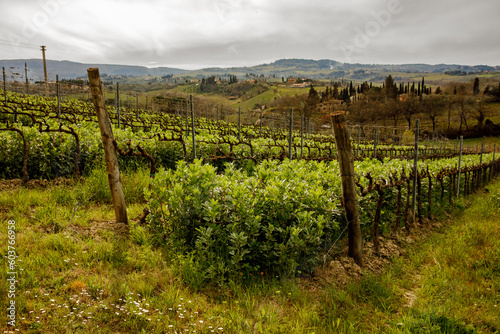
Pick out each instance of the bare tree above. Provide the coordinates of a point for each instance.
(463, 105)
(410, 108)
(432, 107)
(480, 110)
(394, 110)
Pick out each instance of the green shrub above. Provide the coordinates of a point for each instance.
(236, 225)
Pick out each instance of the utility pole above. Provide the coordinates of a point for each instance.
(45, 72)
(26, 76)
(4, 85)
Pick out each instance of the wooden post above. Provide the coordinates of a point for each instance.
(459, 165)
(45, 72)
(415, 169)
(239, 123)
(187, 120)
(260, 124)
(492, 170)
(118, 104)
(346, 165)
(290, 135)
(4, 85)
(302, 136)
(27, 80)
(359, 139)
(58, 97)
(192, 126)
(109, 149)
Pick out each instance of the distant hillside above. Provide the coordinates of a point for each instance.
(314, 69)
(331, 69)
(70, 70)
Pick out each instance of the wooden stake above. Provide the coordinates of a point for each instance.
(115, 183)
(346, 165)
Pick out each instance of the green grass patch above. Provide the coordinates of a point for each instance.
(79, 275)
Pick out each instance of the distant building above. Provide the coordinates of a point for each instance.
(301, 85)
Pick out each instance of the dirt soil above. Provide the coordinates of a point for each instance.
(342, 269)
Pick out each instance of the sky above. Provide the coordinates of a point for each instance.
(192, 34)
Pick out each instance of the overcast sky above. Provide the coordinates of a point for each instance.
(200, 33)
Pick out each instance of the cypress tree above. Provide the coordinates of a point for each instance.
(475, 89)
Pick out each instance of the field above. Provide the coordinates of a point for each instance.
(244, 232)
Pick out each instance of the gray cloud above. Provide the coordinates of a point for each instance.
(199, 33)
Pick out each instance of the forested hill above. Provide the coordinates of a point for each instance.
(314, 69)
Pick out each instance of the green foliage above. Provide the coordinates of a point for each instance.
(238, 225)
(435, 324)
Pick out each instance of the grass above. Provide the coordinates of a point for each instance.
(78, 274)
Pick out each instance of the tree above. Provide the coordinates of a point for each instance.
(432, 107)
(390, 88)
(480, 111)
(475, 88)
(464, 108)
(394, 110)
(410, 108)
(335, 92)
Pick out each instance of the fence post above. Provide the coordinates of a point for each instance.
(359, 141)
(187, 121)
(118, 104)
(290, 136)
(192, 126)
(493, 163)
(375, 143)
(58, 97)
(301, 136)
(26, 77)
(459, 165)
(108, 144)
(481, 156)
(346, 165)
(217, 116)
(260, 124)
(137, 106)
(239, 123)
(415, 168)
(4, 85)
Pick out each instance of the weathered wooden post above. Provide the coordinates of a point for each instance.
(115, 183)
(346, 165)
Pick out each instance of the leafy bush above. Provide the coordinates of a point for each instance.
(236, 225)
